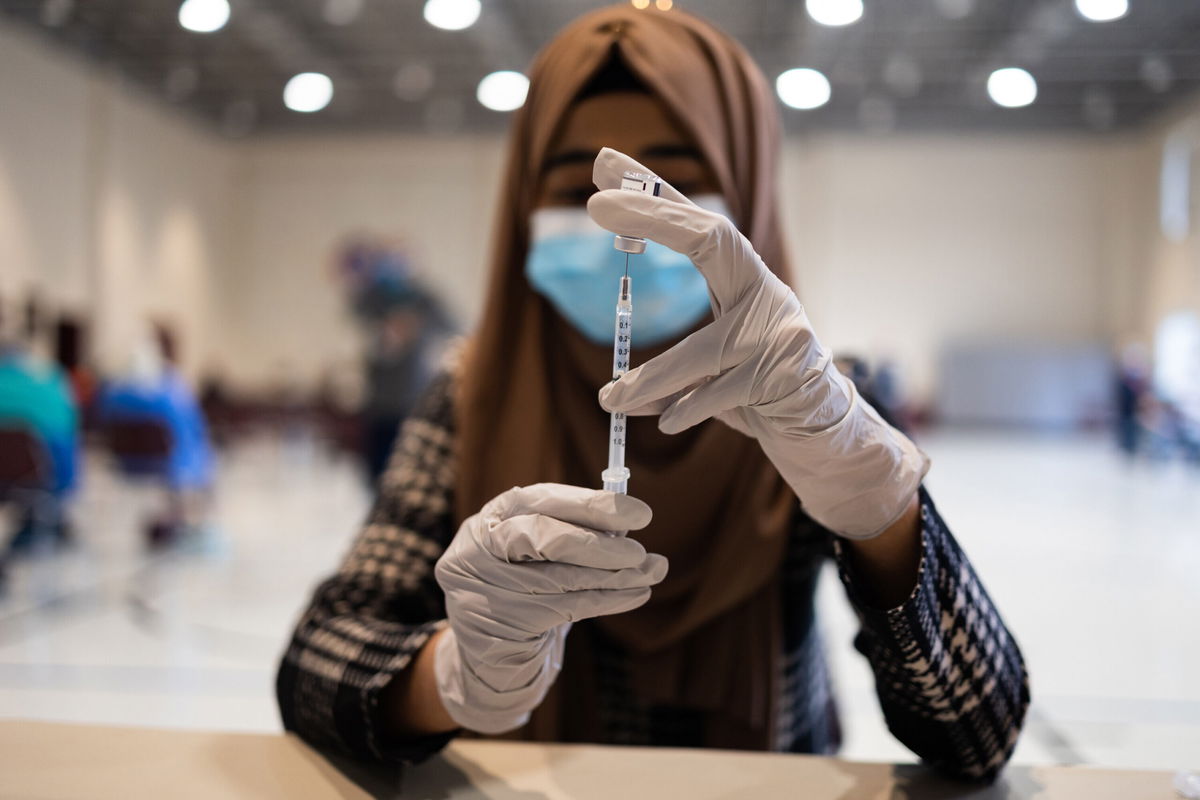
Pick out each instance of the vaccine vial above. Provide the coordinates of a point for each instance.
(644, 182)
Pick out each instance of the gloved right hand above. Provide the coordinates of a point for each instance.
(760, 368)
(517, 574)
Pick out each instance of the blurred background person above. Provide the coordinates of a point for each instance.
(1176, 384)
(156, 430)
(406, 330)
(1133, 384)
(70, 353)
(39, 433)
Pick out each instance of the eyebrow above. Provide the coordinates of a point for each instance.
(580, 156)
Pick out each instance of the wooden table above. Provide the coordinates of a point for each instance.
(50, 760)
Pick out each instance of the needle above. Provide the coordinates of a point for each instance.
(627, 265)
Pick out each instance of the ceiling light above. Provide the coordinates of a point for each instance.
(238, 118)
(204, 16)
(803, 88)
(1011, 87)
(413, 81)
(1099, 110)
(308, 92)
(902, 75)
(502, 91)
(641, 3)
(834, 12)
(1156, 72)
(451, 15)
(55, 13)
(664, 5)
(955, 9)
(877, 114)
(341, 12)
(1051, 21)
(1102, 10)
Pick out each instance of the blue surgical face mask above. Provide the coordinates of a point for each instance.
(573, 264)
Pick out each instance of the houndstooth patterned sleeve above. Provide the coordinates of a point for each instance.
(366, 622)
(950, 678)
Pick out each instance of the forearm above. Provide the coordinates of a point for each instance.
(888, 563)
(411, 704)
(950, 678)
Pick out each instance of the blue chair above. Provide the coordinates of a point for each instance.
(27, 482)
(142, 448)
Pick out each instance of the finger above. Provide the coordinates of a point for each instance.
(586, 605)
(544, 577)
(570, 607)
(610, 165)
(507, 583)
(725, 257)
(526, 616)
(703, 355)
(651, 409)
(536, 537)
(723, 393)
(588, 508)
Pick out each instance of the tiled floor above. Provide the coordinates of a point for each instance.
(1095, 565)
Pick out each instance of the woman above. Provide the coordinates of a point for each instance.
(466, 604)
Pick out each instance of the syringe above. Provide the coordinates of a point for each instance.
(616, 475)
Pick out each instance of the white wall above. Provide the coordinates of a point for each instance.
(910, 244)
(296, 199)
(44, 186)
(162, 232)
(901, 245)
(109, 205)
(1171, 269)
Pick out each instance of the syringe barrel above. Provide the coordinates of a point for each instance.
(622, 341)
(617, 472)
(616, 477)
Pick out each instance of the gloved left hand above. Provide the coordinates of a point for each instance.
(759, 368)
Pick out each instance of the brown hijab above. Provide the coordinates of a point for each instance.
(709, 638)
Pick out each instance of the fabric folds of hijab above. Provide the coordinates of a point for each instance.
(709, 638)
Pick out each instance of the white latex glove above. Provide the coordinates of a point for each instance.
(759, 368)
(516, 575)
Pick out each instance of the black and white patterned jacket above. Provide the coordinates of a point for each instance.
(950, 678)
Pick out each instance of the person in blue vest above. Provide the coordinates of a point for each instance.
(35, 397)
